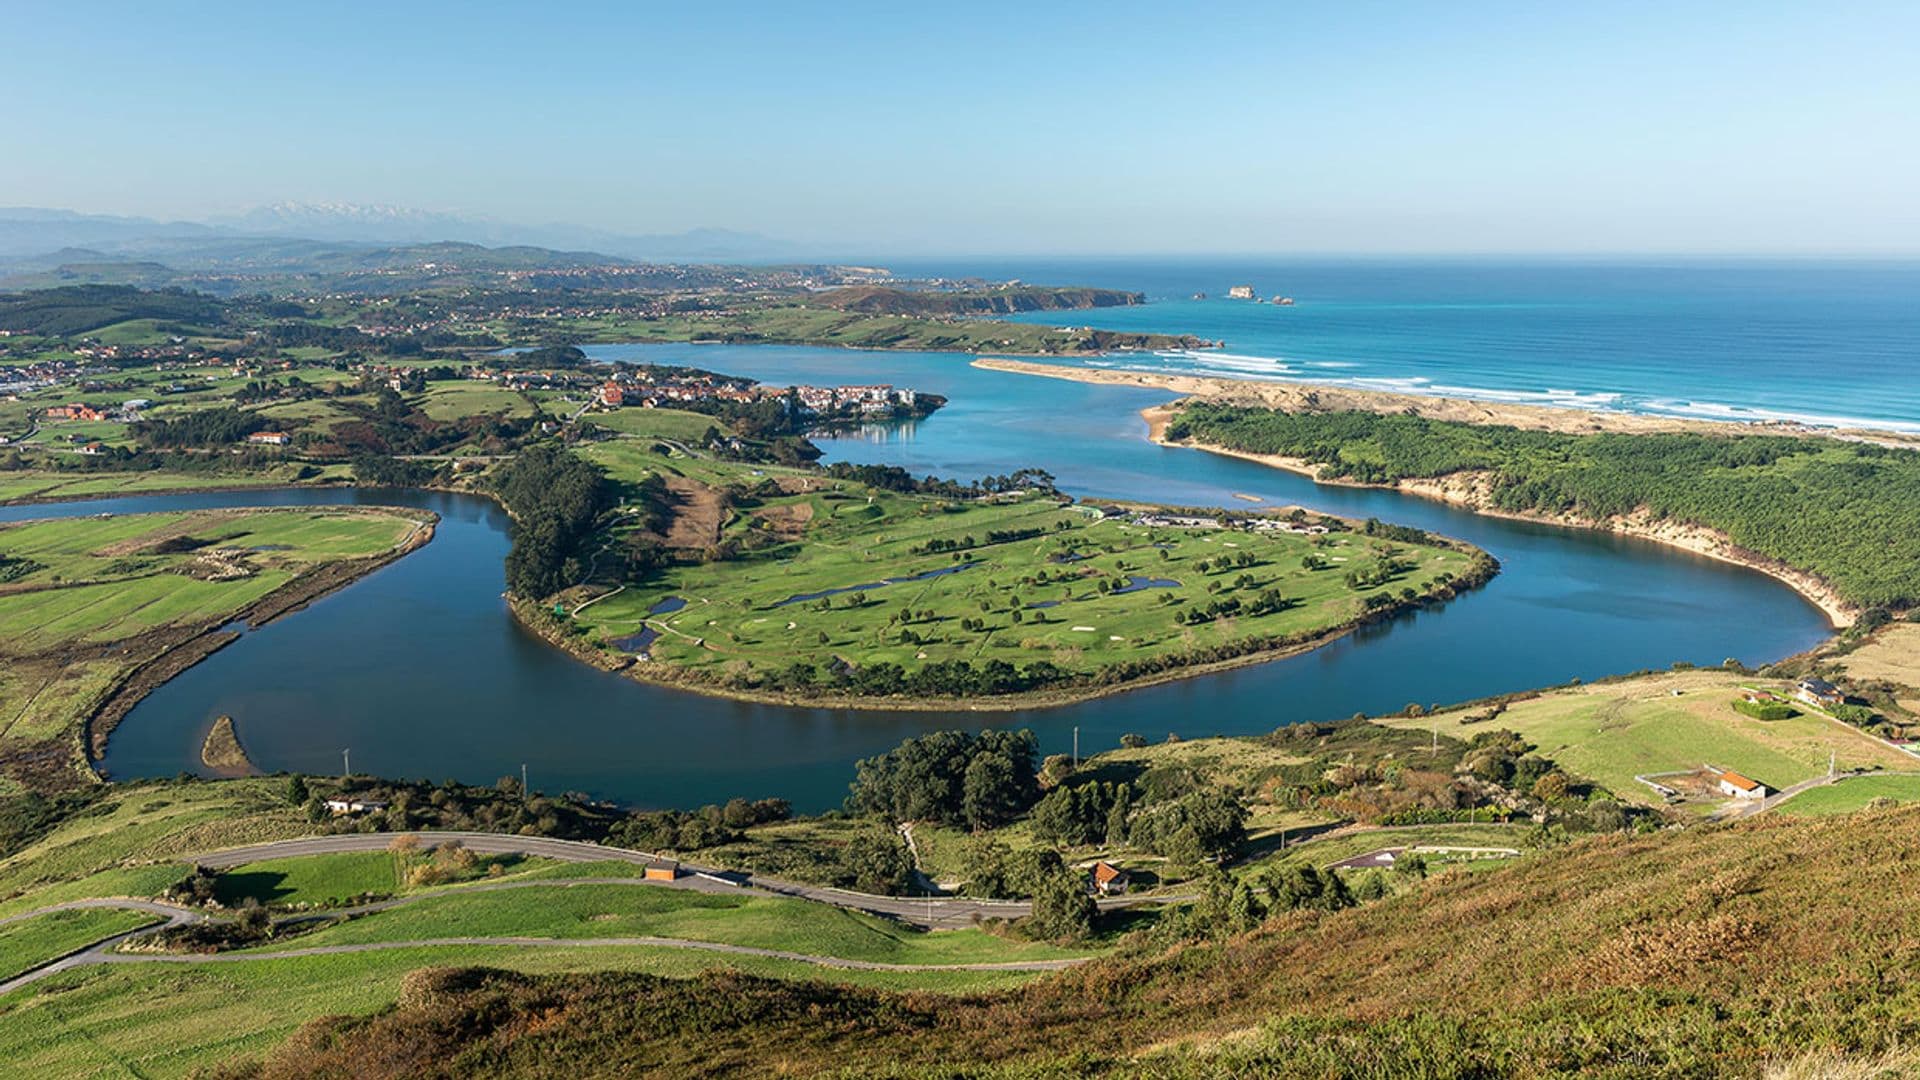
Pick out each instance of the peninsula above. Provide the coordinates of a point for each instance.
(1690, 484)
(861, 586)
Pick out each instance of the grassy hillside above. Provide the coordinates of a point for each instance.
(1714, 951)
(1848, 512)
(874, 299)
(1615, 731)
(75, 309)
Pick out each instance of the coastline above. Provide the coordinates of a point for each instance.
(1468, 491)
(1313, 397)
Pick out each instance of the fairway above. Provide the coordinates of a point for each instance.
(833, 574)
(1612, 732)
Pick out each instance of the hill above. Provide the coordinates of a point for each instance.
(76, 309)
(1711, 951)
(879, 300)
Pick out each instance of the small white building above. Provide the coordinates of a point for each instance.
(1735, 786)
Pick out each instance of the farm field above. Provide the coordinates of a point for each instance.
(832, 569)
(96, 580)
(1893, 656)
(53, 486)
(1614, 731)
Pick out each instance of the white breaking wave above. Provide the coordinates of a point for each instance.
(1271, 369)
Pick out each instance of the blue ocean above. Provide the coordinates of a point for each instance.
(1830, 342)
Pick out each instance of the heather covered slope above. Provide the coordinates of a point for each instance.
(1713, 951)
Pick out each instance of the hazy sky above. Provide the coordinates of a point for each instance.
(1257, 126)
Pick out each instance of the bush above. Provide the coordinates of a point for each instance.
(1766, 710)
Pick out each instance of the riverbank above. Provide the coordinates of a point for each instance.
(169, 652)
(1472, 491)
(1311, 397)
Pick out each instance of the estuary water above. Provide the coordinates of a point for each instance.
(418, 670)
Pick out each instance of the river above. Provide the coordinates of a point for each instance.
(419, 671)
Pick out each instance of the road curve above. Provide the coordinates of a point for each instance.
(98, 951)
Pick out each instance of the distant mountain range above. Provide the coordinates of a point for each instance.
(31, 236)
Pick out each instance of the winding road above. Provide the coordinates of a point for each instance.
(931, 912)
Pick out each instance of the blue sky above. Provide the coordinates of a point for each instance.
(1005, 128)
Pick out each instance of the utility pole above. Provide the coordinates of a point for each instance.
(346, 762)
(1076, 746)
(523, 781)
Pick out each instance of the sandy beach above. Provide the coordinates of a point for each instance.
(1311, 397)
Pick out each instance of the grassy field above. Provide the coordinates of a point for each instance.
(576, 911)
(48, 486)
(453, 400)
(814, 326)
(1851, 794)
(657, 423)
(819, 587)
(106, 579)
(1612, 732)
(163, 1020)
(1893, 656)
(27, 944)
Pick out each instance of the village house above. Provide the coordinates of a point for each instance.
(1816, 691)
(345, 805)
(270, 438)
(1735, 786)
(75, 411)
(1109, 880)
(612, 396)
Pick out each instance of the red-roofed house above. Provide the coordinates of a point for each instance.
(1109, 879)
(1733, 785)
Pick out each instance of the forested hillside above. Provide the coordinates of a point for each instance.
(1849, 512)
(76, 309)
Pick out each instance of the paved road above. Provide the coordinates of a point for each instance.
(100, 951)
(933, 913)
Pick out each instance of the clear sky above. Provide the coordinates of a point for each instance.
(1340, 126)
